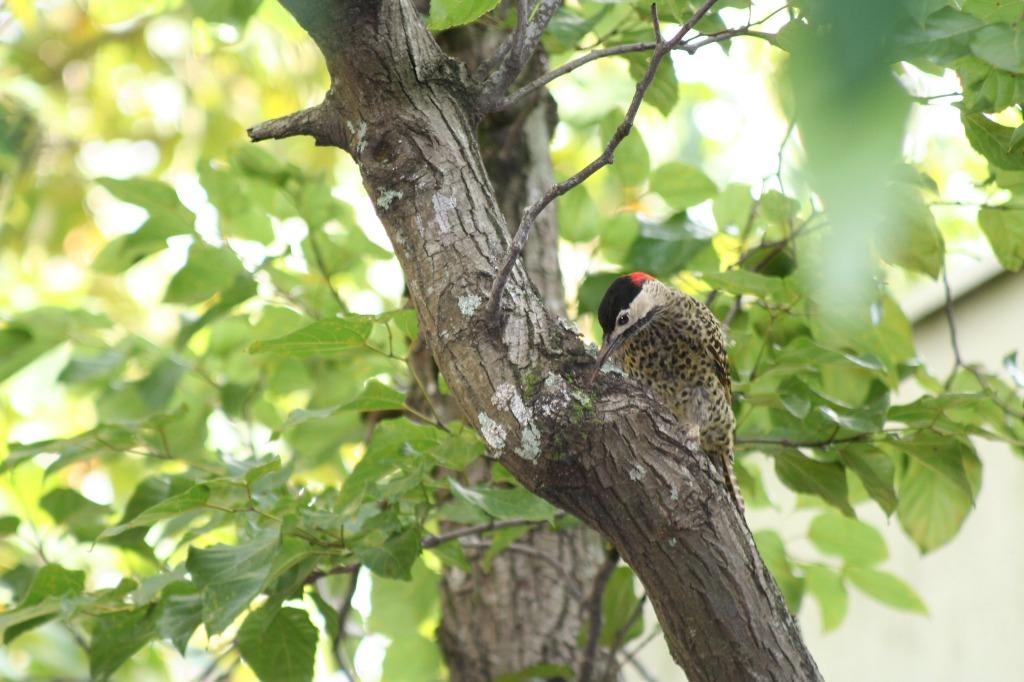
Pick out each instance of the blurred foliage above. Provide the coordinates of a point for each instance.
(200, 338)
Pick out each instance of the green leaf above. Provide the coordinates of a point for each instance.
(414, 659)
(631, 161)
(451, 554)
(988, 89)
(854, 541)
(773, 551)
(401, 606)
(445, 14)
(405, 320)
(804, 475)
(153, 587)
(192, 498)
(225, 11)
(886, 588)
(778, 211)
(395, 444)
(617, 606)
(592, 290)
(279, 644)
(403, 609)
(209, 270)
(167, 214)
(9, 525)
(911, 240)
(50, 583)
(943, 455)
(666, 248)
(744, 282)
(932, 508)
(1004, 229)
(732, 206)
(125, 251)
(87, 364)
(229, 577)
(458, 449)
(681, 185)
(83, 517)
(1016, 138)
(579, 219)
(116, 637)
(260, 470)
(393, 558)
(376, 396)
(505, 503)
(1000, 45)
(663, 93)
(21, 619)
(993, 141)
(240, 215)
(181, 612)
(320, 338)
(875, 470)
(829, 591)
(995, 11)
(31, 334)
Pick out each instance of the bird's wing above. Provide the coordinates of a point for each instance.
(715, 348)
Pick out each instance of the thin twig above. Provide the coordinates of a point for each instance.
(318, 574)
(620, 636)
(441, 538)
(782, 150)
(661, 48)
(785, 442)
(593, 605)
(631, 654)
(733, 311)
(689, 46)
(212, 667)
(640, 669)
(339, 637)
(517, 51)
(958, 359)
(321, 265)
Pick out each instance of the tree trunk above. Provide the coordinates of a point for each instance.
(523, 611)
(608, 453)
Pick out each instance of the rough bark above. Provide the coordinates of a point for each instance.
(610, 454)
(523, 611)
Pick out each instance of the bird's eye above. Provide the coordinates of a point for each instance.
(623, 319)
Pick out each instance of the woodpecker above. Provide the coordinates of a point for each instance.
(672, 343)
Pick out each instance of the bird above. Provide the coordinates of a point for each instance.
(673, 344)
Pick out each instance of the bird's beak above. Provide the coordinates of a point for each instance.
(607, 349)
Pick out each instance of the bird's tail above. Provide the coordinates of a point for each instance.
(734, 485)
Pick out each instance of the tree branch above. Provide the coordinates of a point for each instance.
(530, 26)
(629, 48)
(339, 636)
(958, 360)
(607, 453)
(824, 442)
(314, 121)
(435, 540)
(661, 48)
